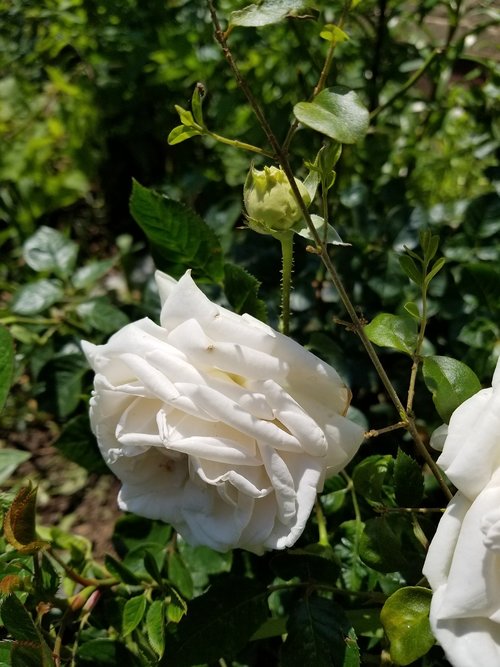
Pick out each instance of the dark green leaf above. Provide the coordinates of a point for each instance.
(408, 481)
(219, 622)
(265, 12)
(197, 103)
(337, 112)
(178, 237)
(203, 561)
(369, 476)
(49, 250)
(319, 634)
(134, 559)
(88, 275)
(105, 652)
(411, 269)
(152, 568)
(36, 297)
(405, 617)
(18, 621)
(132, 531)
(62, 377)
(100, 314)
(118, 570)
(450, 381)
(389, 545)
(155, 623)
(393, 331)
(10, 459)
(31, 656)
(6, 365)
(133, 613)
(241, 290)
(77, 443)
(482, 280)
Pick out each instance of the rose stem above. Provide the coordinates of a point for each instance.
(325, 257)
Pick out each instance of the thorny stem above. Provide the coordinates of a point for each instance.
(286, 240)
(322, 251)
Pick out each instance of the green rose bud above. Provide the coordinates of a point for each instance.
(270, 203)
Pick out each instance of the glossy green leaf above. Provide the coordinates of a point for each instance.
(408, 481)
(100, 314)
(219, 623)
(405, 617)
(179, 238)
(155, 626)
(450, 381)
(6, 365)
(49, 250)
(265, 12)
(319, 634)
(241, 290)
(10, 459)
(337, 112)
(394, 331)
(133, 613)
(78, 444)
(36, 297)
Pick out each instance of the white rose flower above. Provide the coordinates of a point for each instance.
(216, 423)
(463, 562)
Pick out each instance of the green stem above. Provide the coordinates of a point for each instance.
(322, 530)
(418, 349)
(286, 240)
(238, 144)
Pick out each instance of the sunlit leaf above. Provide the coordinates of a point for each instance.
(20, 520)
(133, 613)
(450, 381)
(265, 12)
(49, 250)
(393, 331)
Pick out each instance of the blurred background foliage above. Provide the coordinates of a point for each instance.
(88, 91)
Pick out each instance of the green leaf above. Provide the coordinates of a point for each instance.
(199, 93)
(219, 623)
(179, 574)
(203, 562)
(118, 570)
(408, 481)
(133, 613)
(100, 314)
(62, 376)
(405, 617)
(182, 133)
(388, 544)
(265, 12)
(333, 34)
(369, 476)
(19, 525)
(482, 281)
(104, 651)
(241, 290)
(10, 459)
(332, 235)
(395, 331)
(18, 621)
(7, 353)
(155, 624)
(411, 269)
(176, 608)
(337, 112)
(36, 297)
(319, 634)
(179, 238)
(412, 308)
(88, 275)
(450, 381)
(78, 444)
(437, 266)
(49, 250)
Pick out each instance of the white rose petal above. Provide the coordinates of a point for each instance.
(218, 424)
(463, 561)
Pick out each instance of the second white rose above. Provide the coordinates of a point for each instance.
(216, 423)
